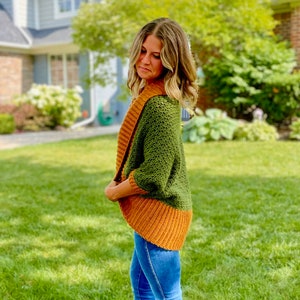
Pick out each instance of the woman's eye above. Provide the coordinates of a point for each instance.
(157, 56)
(143, 51)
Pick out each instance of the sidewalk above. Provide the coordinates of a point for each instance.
(11, 141)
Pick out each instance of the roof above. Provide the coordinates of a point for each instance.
(18, 37)
(50, 36)
(10, 33)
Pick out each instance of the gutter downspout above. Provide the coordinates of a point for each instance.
(92, 99)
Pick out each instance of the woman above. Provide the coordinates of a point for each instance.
(151, 183)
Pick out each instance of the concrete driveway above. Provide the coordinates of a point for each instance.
(11, 141)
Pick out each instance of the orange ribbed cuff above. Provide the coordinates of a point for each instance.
(135, 187)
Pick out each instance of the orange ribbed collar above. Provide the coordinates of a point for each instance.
(130, 122)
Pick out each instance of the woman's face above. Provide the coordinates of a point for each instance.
(149, 65)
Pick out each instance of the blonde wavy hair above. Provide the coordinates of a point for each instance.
(179, 66)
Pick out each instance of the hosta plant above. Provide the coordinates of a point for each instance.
(258, 130)
(295, 130)
(213, 125)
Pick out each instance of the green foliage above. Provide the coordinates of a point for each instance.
(256, 131)
(214, 125)
(61, 106)
(107, 28)
(7, 124)
(295, 130)
(280, 97)
(231, 40)
(258, 74)
(26, 116)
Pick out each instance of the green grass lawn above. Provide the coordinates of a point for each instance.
(61, 239)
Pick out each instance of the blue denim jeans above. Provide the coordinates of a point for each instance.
(155, 272)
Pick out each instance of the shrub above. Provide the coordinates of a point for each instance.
(258, 73)
(26, 117)
(281, 97)
(295, 130)
(7, 124)
(7, 109)
(214, 125)
(61, 106)
(256, 131)
(29, 118)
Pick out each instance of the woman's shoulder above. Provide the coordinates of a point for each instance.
(160, 108)
(162, 103)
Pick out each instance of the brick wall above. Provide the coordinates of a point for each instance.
(289, 28)
(295, 31)
(283, 29)
(16, 75)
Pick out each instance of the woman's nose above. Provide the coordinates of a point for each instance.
(146, 59)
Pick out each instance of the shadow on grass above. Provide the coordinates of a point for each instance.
(60, 237)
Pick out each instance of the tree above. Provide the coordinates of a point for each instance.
(233, 41)
(107, 28)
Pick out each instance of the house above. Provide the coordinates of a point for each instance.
(36, 47)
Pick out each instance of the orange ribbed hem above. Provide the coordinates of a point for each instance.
(157, 222)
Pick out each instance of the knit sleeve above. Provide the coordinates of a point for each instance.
(160, 123)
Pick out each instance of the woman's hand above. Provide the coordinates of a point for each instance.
(109, 191)
(116, 191)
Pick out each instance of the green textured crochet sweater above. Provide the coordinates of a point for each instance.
(151, 155)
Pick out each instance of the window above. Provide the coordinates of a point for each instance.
(66, 8)
(64, 70)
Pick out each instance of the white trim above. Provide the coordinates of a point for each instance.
(14, 13)
(65, 69)
(36, 15)
(42, 49)
(92, 98)
(49, 70)
(16, 21)
(12, 45)
(68, 14)
(54, 49)
(26, 36)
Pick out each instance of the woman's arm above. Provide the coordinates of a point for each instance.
(115, 191)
